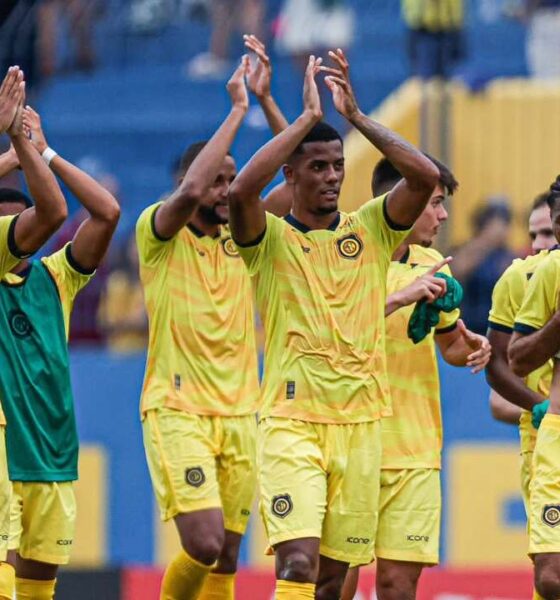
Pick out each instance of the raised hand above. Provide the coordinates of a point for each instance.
(338, 82)
(32, 123)
(17, 128)
(311, 97)
(259, 73)
(482, 350)
(12, 91)
(236, 86)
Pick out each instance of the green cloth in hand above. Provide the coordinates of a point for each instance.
(538, 412)
(426, 315)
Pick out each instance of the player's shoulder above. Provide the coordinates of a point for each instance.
(549, 263)
(424, 257)
(147, 215)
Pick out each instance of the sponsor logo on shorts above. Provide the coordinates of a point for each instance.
(358, 540)
(229, 248)
(195, 476)
(19, 324)
(282, 505)
(64, 542)
(417, 538)
(551, 514)
(350, 246)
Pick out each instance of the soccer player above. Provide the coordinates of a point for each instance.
(535, 340)
(320, 277)
(36, 300)
(410, 499)
(512, 398)
(201, 388)
(20, 236)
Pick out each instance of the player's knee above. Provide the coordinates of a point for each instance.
(205, 549)
(298, 566)
(228, 558)
(394, 585)
(330, 589)
(547, 580)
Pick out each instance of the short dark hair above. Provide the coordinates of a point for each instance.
(540, 201)
(9, 196)
(321, 132)
(187, 158)
(386, 176)
(554, 195)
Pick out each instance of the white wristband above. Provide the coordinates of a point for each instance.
(48, 155)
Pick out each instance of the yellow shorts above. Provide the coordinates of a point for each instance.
(5, 495)
(409, 515)
(321, 480)
(42, 521)
(198, 462)
(526, 476)
(544, 526)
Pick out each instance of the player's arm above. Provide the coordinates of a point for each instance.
(501, 378)
(92, 239)
(409, 197)
(528, 352)
(280, 200)
(35, 225)
(247, 214)
(259, 77)
(503, 410)
(178, 209)
(8, 162)
(464, 348)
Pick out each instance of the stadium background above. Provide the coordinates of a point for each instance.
(135, 113)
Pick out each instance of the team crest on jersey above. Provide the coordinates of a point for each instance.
(229, 248)
(551, 514)
(350, 246)
(195, 476)
(282, 505)
(20, 324)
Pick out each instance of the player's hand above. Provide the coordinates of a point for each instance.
(482, 350)
(236, 86)
(17, 127)
(311, 97)
(259, 73)
(428, 287)
(338, 82)
(538, 413)
(12, 91)
(32, 122)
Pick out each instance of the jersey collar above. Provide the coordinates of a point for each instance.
(289, 218)
(199, 234)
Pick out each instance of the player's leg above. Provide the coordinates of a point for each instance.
(44, 520)
(7, 573)
(350, 524)
(408, 530)
(350, 586)
(544, 534)
(237, 477)
(181, 459)
(293, 501)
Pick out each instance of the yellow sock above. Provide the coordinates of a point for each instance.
(183, 578)
(290, 590)
(35, 589)
(536, 595)
(218, 587)
(7, 581)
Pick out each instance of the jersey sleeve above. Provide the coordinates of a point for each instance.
(507, 297)
(68, 277)
(540, 300)
(375, 218)
(447, 321)
(152, 248)
(8, 252)
(256, 253)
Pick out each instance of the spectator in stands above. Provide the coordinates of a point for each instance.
(121, 313)
(227, 15)
(435, 42)
(543, 38)
(479, 263)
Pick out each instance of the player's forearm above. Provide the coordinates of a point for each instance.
(418, 170)
(274, 116)
(50, 205)
(527, 353)
(99, 202)
(394, 302)
(8, 162)
(503, 410)
(264, 165)
(508, 385)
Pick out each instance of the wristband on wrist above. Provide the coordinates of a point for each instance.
(48, 155)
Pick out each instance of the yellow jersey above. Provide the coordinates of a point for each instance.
(507, 299)
(412, 437)
(202, 355)
(321, 295)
